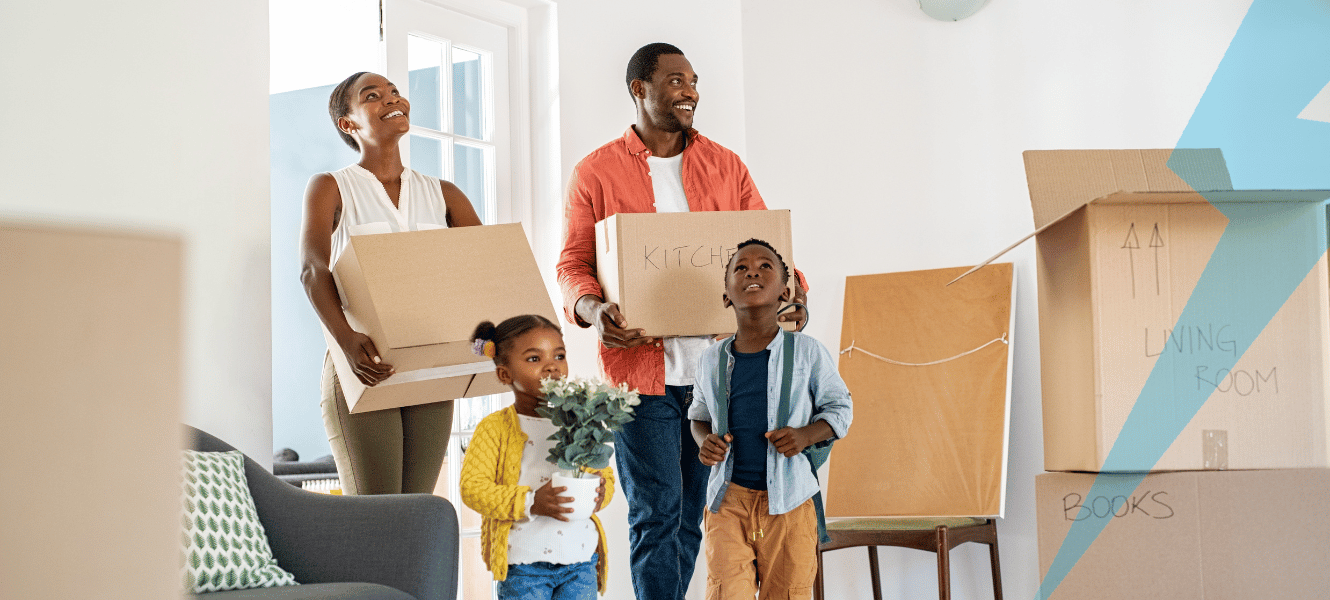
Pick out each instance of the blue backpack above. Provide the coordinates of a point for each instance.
(817, 454)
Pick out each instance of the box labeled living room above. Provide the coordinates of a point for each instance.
(1122, 244)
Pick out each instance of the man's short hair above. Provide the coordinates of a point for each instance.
(643, 63)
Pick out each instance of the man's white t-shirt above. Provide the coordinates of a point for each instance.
(681, 353)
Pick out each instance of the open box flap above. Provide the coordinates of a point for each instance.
(425, 285)
(1064, 181)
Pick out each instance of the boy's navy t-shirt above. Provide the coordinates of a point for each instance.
(748, 419)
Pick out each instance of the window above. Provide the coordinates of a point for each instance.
(452, 118)
(457, 70)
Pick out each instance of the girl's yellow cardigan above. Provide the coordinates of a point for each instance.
(490, 471)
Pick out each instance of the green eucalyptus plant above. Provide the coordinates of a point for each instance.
(587, 414)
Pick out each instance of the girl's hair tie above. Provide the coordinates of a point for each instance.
(483, 348)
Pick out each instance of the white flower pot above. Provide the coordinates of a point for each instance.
(583, 493)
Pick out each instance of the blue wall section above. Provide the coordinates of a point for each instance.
(303, 142)
(1277, 62)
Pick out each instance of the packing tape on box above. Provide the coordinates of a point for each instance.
(474, 368)
(1214, 449)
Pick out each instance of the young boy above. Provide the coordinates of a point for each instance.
(761, 522)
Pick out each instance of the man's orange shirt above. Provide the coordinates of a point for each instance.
(616, 179)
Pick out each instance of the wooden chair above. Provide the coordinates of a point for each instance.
(932, 535)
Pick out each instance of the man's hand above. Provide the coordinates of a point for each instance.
(714, 449)
(549, 503)
(364, 359)
(611, 326)
(798, 316)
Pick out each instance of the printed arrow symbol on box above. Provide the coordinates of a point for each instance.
(1275, 66)
(1156, 242)
(1130, 244)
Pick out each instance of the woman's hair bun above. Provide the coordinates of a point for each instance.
(484, 331)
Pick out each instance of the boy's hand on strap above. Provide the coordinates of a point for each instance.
(790, 441)
(714, 449)
(548, 502)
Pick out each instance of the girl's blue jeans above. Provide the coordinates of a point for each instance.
(548, 581)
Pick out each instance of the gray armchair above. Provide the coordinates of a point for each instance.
(401, 547)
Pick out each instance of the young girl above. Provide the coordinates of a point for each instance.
(534, 551)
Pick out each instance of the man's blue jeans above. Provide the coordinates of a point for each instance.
(666, 486)
(547, 581)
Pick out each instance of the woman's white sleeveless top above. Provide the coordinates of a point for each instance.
(366, 207)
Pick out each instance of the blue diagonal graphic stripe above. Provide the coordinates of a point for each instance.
(1277, 62)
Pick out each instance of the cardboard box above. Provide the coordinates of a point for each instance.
(93, 370)
(419, 296)
(1213, 535)
(1122, 242)
(928, 440)
(666, 271)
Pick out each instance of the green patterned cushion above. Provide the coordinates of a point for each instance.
(225, 547)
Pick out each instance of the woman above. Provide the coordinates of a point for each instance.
(397, 450)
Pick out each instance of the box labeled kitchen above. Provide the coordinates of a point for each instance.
(666, 271)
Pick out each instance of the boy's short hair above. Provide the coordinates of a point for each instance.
(784, 268)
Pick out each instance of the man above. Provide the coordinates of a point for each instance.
(660, 164)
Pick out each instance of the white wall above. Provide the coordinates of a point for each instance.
(596, 39)
(153, 114)
(319, 42)
(914, 128)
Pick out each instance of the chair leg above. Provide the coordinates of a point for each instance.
(997, 570)
(874, 573)
(817, 579)
(943, 565)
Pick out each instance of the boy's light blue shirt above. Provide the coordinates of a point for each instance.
(816, 393)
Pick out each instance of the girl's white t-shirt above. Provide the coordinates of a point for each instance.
(538, 538)
(681, 353)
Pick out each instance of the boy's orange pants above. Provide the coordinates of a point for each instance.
(745, 544)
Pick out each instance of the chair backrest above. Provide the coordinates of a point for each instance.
(197, 439)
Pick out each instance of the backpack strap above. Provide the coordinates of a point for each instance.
(721, 420)
(816, 456)
(786, 378)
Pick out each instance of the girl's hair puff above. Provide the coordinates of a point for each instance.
(510, 329)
